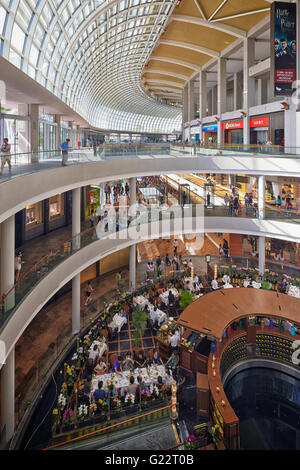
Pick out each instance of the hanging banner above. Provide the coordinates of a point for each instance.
(283, 47)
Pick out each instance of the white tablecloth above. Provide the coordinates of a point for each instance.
(102, 347)
(158, 316)
(117, 322)
(246, 283)
(227, 286)
(164, 296)
(294, 291)
(256, 285)
(141, 301)
(122, 382)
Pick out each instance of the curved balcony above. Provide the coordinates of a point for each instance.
(54, 270)
(43, 176)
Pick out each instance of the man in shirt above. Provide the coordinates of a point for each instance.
(99, 394)
(5, 155)
(214, 284)
(117, 366)
(174, 339)
(132, 387)
(64, 150)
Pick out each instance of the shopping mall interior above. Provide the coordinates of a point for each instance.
(149, 225)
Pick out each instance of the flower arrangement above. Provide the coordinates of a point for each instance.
(83, 411)
(61, 401)
(154, 391)
(102, 405)
(129, 399)
(145, 395)
(214, 431)
(92, 409)
(64, 389)
(67, 416)
(190, 442)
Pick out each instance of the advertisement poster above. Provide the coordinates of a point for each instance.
(283, 21)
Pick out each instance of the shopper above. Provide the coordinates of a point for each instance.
(225, 247)
(64, 150)
(268, 249)
(88, 293)
(175, 246)
(18, 264)
(5, 155)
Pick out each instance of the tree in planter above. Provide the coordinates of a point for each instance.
(139, 320)
(186, 298)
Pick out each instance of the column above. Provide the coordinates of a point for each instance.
(132, 267)
(8, 396)
(221, 97)
(76, 210)
(7, 265)
(24, 135)
(261, 254)
(237, 91)
(57, 119)
(202, 100)
(249, 85)
(132, 191)
(261, 196)
(70, 124)
(191, 105)
(76, 304)
(34, 127)
(262, 88)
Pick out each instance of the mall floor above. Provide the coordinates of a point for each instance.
(55, 318)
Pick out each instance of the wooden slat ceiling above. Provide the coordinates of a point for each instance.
(197, 31)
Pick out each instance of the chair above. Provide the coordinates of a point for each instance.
(112, 359)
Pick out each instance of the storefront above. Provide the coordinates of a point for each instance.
(195, 131)
(233, 132)
(16, 129)
(209, 133)
(43, 217)
(47, 132)
(92, 200)
(259, 130)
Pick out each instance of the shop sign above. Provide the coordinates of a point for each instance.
(212, 128)
(227, 126)
(283, 47)
(256, 122)
(259, 122)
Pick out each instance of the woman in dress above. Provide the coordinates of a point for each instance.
(101, 367)
(18, 264)
(88, 293)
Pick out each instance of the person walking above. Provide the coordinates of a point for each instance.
(5, 155)
(278, 201)
(246, 198)
(225, 247)
(175, 246)
(230, 207)
(88, 293)
(64, 150)
(268, 249)
(18, 264)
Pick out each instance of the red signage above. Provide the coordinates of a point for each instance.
(227, 126)
(256, 122)
(259, 122)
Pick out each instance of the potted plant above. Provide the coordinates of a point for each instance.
(186, 298)
(139, 321)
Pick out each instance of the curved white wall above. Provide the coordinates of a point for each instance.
(21, 191)
(65, 271)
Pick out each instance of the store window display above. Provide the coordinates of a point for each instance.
(56, 206)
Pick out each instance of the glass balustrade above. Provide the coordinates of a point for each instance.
(134, 223)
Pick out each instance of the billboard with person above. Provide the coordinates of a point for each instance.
(283, 47)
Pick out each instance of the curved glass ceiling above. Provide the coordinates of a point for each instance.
(91, 54)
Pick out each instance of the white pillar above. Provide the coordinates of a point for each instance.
(76, 209)
(8, 396)
(202, 99)
(76, 304)
(191, 105)
(221, 94)
(34, 127)
(237, 91)
(58, 130)
(132, 191)
(132, 267)
(7, 265)
(261, 196)
(261, 254)
(249, 85)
